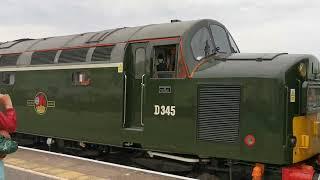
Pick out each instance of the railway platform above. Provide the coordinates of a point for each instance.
(32, 164)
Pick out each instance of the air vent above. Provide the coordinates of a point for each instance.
(43, 57)
(73, 55)
(102, 53)
(218, 113)
(9, 60)
(98, 36)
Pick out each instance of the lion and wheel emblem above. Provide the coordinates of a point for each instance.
(41, 103)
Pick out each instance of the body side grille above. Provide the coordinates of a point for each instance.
(218, 113)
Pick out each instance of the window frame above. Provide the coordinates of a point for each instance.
(225, 30)
(212, 41)
(81, 78)
(153, 55)
(230, 36)
(136, 65)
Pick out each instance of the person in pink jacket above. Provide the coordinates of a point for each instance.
(8, 124)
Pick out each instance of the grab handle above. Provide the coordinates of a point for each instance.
(125, 100)
(141, 99)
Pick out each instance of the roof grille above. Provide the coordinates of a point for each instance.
(9, 44)
(218, 113)
(175, 20)
(100, 36)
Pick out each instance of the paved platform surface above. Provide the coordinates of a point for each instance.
(28, 164)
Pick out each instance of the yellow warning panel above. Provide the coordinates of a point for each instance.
(306, 130)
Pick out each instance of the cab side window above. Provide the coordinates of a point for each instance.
(164, 61)
(220, 38)
(140, 57)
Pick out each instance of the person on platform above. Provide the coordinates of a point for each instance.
(8, 124)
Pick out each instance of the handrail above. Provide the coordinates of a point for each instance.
(286, 112)
(141, 99)
(125, 100)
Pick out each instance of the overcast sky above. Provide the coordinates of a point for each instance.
(291, 26)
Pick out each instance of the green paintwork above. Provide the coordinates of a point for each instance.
(95, 113)
(86, 113)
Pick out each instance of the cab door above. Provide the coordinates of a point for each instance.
(169, 106)
(134, 89)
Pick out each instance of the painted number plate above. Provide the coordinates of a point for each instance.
(164, 110)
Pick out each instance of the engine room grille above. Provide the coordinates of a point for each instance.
(218, 113)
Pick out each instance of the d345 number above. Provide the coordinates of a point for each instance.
(164, 110)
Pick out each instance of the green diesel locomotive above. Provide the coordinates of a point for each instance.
(178, 91)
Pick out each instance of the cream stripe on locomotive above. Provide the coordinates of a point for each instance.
(61, 67)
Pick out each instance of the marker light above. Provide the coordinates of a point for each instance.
(249, 140)
(293, 141)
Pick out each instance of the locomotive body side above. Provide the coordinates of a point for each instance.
(180, 91)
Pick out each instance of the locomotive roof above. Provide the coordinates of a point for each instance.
(259, 65)
(111, 36)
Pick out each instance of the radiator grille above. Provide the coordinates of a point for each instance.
(46, 57)
(9, 60)
(218, 113)
(102, 53)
